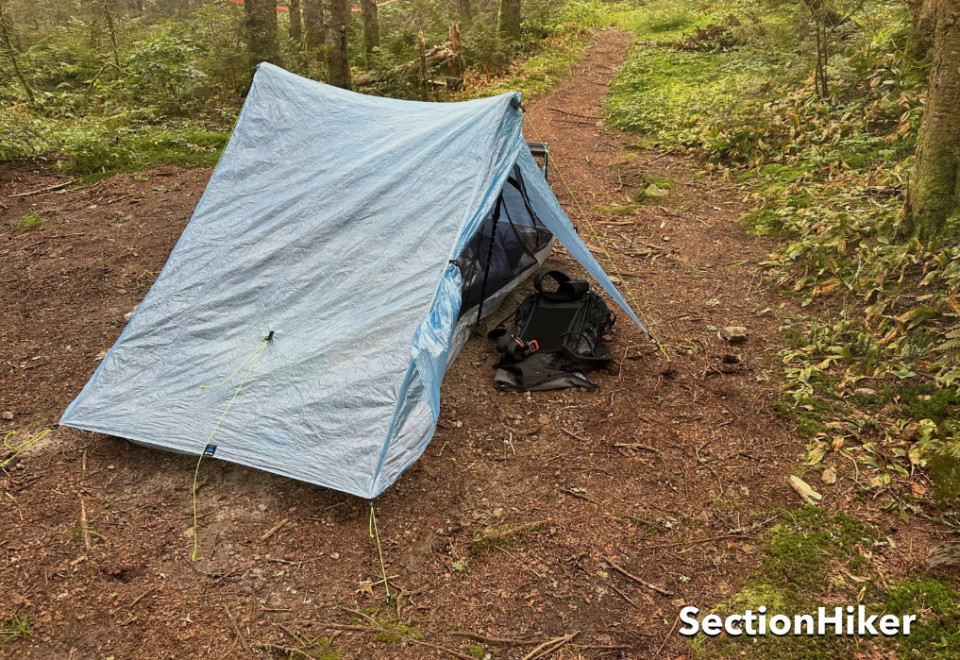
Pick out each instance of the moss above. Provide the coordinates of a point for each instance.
(388, 638)
(937, 632)
(476, 651)
(320, 649)
(802, 554)
(29, 221)
(617, 211)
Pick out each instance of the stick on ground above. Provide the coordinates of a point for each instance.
(623, 572)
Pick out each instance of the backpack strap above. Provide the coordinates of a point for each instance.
(567, 289)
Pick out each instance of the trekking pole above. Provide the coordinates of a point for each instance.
(486, 272)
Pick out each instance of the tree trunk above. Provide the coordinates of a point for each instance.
(5, 28)
(934, 191)
(924, 19)
(108, 14)
(314, 25)
(260, 30)
(338, 58)
(510, 16)
(371, 26)
(296, 24)
(465, 8)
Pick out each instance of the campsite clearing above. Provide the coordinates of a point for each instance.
(578, 520)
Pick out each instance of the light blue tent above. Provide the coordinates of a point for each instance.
(350, 227)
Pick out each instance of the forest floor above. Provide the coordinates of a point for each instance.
(521, 521)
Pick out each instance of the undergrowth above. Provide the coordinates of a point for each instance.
(872, 373)
(812, 558)
(179, 86)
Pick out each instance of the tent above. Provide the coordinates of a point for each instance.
(353, 230)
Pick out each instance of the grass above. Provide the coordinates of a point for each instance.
(19, 626)
(29, 221)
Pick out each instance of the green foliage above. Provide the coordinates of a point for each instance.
(938, 633)
(827, 178)
(178, 88)
(804, 556)
(29, 221)
(19, 626)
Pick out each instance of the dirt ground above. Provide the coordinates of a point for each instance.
(667, 472)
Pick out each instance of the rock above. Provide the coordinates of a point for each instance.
(734, 334)
(7, 415)
(943, 555)
(651, 193)
(865, 391)
(129, 315)
(711, 328)
(829, 476)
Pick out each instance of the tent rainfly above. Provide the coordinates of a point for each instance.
(355, 230)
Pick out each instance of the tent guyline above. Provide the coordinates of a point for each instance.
(410, 198)
(208, 447)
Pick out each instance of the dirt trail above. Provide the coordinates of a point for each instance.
(678, 510)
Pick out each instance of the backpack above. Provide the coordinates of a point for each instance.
(556, 337)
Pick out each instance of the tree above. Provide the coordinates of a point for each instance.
(5, 29)
(338, 58)
(371, 26)
(933, 195)
(466, 9)
(109, 12)
(260, 31)
(314, 25)
(510, 16)
(828, 17)
(296, 24)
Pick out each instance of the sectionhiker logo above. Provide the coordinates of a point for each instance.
(838, 621)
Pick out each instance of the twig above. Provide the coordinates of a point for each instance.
(579, 496)
(495, 640)
(87, 543)
(289, 650)
(693, 541)
(626, 598)
(623, 572)
(670, 632)
(47, 189)
(236, 630)
(273, 530)
(573, 435)
(492, 537)
(549, 646)
(380, 629)
(636, 445)
(140, 597)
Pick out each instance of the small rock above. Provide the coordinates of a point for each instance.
(7, 415)
(711, 328)
(865, 391)
(129, 315)
(734, 334)
(829, 476)
(943, 555)
(652, 192)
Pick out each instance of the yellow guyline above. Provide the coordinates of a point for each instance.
(255, 356)
(599, 241)
(23, 446)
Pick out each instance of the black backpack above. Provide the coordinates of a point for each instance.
(556, 337)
